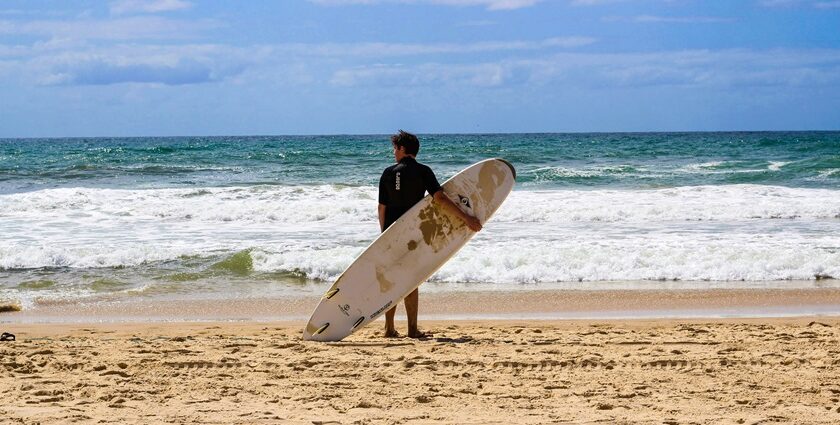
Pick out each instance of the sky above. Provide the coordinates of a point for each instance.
(190, 67)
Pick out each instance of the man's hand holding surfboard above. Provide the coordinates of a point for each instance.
(473, 223)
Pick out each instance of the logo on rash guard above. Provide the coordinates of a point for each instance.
(398, 180)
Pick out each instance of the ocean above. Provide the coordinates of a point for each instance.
(87, 219)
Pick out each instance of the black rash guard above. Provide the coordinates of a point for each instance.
(404, 184)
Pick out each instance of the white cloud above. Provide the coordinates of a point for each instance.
(130, 63)
(85, 60)
(489, 4)
(484, 23)
(593, 2)
(652, 19)
(779, 3)
(827, 4)
(129, 28)
(409, 49)
(77, 61)
(120, 7)
(821, 4)
(780, 68)
(24, 13)
(432, 74)
(569, 41)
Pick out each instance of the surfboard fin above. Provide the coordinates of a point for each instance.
(358, 322)
(331, 293)
(321, 329)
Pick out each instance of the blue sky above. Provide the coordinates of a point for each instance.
(180, 67)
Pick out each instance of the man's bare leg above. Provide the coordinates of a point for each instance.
(390, 331)
(412, 305)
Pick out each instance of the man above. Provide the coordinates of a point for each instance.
(401, 186)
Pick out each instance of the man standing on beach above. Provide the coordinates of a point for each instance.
(401, 186)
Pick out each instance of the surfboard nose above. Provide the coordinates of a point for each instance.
(512, 170)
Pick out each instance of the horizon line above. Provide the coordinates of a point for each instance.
(419, 134)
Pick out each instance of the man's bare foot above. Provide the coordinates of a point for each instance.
(391, 333)
(417, 334)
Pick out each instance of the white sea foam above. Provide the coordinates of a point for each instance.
(517, 261)
(322, 264)
(611, 256)
(333, 204)
(265, 204)
(829, 173)
(718, 233)
(704, 166)
(692, 203)
(506, 253)
(777, 165)
(712, 167)
(543, 173)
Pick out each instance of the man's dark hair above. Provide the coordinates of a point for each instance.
(407, 141)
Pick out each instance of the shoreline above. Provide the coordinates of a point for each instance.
(463, 306)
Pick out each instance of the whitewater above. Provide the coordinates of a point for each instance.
(73, 232)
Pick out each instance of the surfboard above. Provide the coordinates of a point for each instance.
(409, 252)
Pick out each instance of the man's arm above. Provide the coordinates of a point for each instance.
(383, 200)
(381, 218)
(447, 203)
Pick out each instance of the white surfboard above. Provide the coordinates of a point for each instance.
(409, 251)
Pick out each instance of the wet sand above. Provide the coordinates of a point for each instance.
(464, 305)
(750, 371)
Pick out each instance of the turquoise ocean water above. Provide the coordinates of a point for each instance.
(216, 217)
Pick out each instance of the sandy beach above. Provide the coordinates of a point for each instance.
(751, 371)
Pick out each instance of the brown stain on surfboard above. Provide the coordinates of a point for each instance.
(491, 176)
(412, 245)
(385, 285)
(435, 226)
